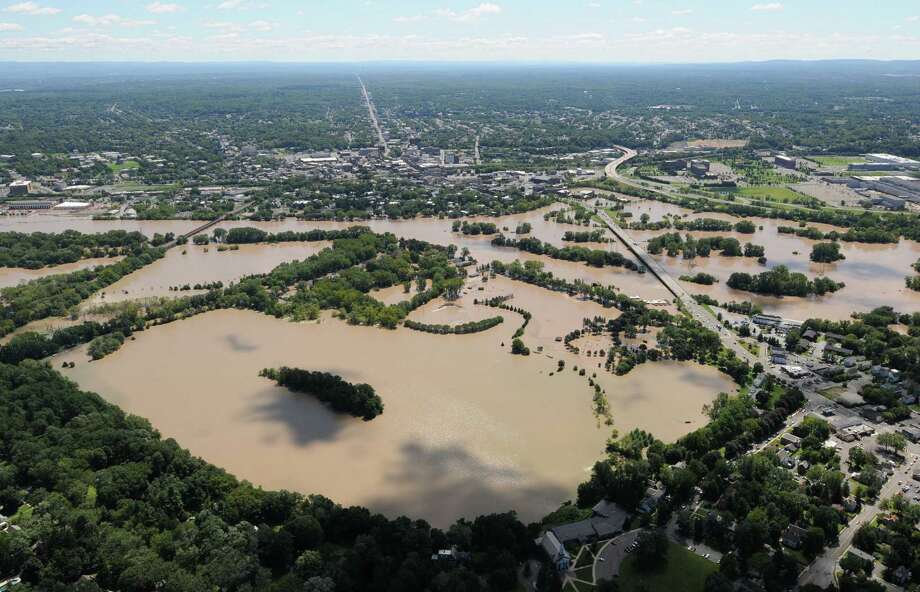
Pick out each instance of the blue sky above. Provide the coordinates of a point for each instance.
(542, 30)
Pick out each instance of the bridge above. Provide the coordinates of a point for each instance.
(684, 298)
(207, 225)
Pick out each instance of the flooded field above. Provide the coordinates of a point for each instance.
(882, 266)
(191, 264)
(873, 273)
(12, 276)
(467, 428)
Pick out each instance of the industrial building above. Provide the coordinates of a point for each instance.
(20, 188)
(784, 161)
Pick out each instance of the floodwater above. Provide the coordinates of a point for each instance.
(873, 273)
(467, 428)
(197, 264)
(12, 276)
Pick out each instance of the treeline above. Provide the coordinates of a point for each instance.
(40, 249)
(107, 496)
(35, 346)
(744, 307)
(593, 257)
(246, 235)
(461, 329)
(686, 339)
(54, 295)
(674, 244)
(779, 281)
(592, 236)
(701, 278)
(531, 272)
(359, 400)
(826, 253)
(853, 235)
(474, 228)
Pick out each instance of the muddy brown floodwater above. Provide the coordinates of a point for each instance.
(12, 276)
(873, 273)
(467, 427)
(196, 264)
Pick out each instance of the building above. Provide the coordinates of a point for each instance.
(699, 168)
(30, 204)
(883, 158)
(784, 161)
(673, 166)
(912, 433)
(72, 205)
(791, 439)
(793, 535)
(555, 550)
(20, 188)
(767, 320)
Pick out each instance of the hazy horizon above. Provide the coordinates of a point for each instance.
(595, 31)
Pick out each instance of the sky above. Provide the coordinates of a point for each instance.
(617, 31)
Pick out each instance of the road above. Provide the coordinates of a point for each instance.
(372, 111)
(821, 570)
(476, 157)
(685, 299)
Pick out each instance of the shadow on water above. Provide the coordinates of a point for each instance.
(444, 483)
(238, 344)
(306, 419)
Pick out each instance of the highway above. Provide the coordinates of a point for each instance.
(683, 297)
(372, 111)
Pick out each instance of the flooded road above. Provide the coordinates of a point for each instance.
(467, 427)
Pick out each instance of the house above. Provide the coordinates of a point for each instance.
(653, 495)
(555, 551)
(792, 440)
(786, 459)
(872, 412)
(793, 535)
(836, 350)
(810, 335)
(912, 433)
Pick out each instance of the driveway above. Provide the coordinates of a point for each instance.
(608, 559)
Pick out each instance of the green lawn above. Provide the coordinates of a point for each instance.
(128, 164)
(684, 572)
(836, 160)
(775, 193)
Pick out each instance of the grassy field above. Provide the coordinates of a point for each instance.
(684, 572)
(773, 193)
(836, 160)
(128, 164)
